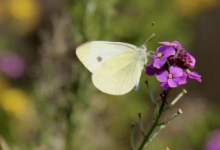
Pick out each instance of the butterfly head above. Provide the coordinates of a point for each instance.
(143, 53)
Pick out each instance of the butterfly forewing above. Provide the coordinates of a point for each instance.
(93, 54)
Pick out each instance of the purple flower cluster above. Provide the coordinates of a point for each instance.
(172, 65)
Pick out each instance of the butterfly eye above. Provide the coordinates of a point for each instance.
(99, 59)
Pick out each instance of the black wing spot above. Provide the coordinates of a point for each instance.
(99, 59)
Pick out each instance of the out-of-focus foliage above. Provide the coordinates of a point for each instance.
(195, 7)
(116, 20)
(47, 100)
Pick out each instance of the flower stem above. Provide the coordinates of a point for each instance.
(154, 125)
(164, 124)
(156, 133)
(141, 125)
(171, 118)
(150, 93)
(176, 100)
(132, 135)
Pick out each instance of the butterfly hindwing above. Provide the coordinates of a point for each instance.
(119, 74)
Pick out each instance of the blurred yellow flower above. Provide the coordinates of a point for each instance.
(14, 101)
(194, 7)
(21, 110)
(26, 12)
(23, 9)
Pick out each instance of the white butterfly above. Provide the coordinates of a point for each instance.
(116, 67)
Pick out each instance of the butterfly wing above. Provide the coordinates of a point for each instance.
(93, 54)
(119, 74)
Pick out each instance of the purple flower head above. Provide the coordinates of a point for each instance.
(171, 63)
(160, 58)
(171, 78)
(12, 65)
(188, 60)
(214, 141)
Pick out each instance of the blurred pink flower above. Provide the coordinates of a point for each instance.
(12, 65)
(213, 142)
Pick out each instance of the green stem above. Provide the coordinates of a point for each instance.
(147, 137)
(132, 135)
(164, 124)
(176, 100)
(150, 93)
(171, 118)
(156, 133)
(141, 125)
(168, 63)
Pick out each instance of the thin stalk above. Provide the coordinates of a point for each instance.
(141, 125)
(154, 125)
(164, 124)
(156, 133)
(176, 100)
(132, 135)
(171, 118)
(150, 93)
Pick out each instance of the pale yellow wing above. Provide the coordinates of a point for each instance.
(119, 74)
(93, 54)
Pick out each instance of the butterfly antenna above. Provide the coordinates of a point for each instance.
(145, 43)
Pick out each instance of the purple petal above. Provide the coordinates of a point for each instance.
(162, 61)
(195, 75)
(156, 63)
(159, 62)
(179, 47)
(174, 44)
(174, 82)
(150, 70)
(176, 71)
(162, 49)
(192, 61)
(169, 52)
(153, 57)
(183, 79)
(162, 77)
(168, 43)
(164, 85)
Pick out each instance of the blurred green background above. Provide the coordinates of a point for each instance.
(47, 100)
